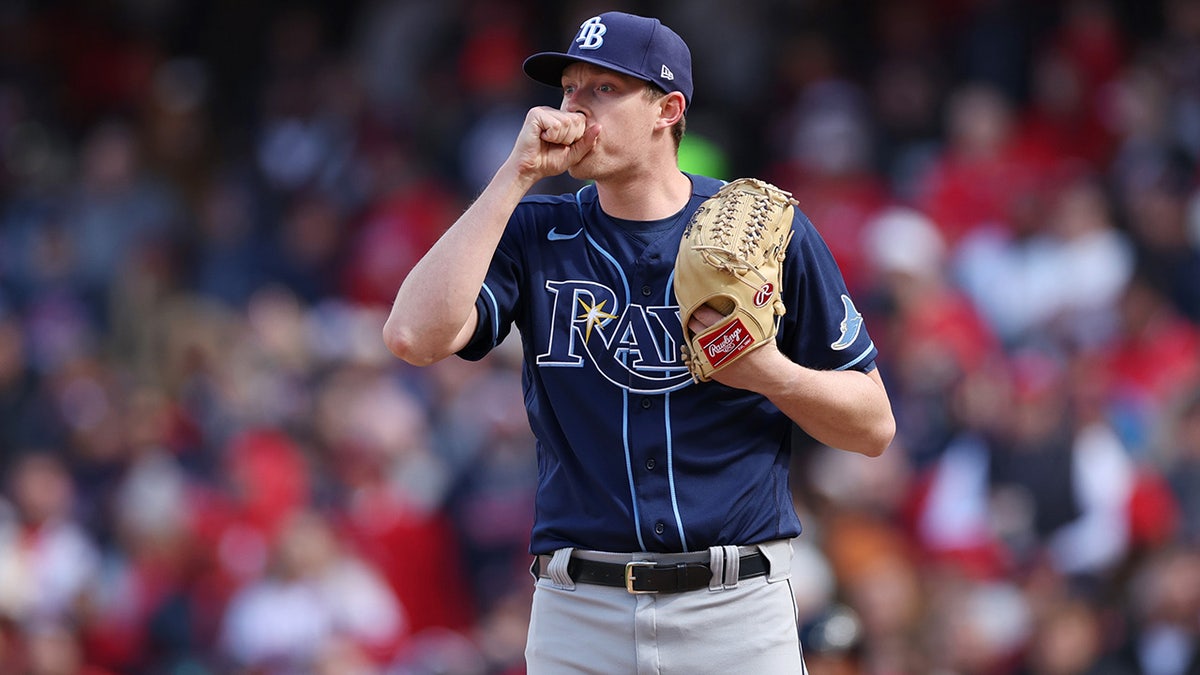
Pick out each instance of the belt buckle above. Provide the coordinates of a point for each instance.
(629, 568)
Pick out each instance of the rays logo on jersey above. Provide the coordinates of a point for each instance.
(632, 347)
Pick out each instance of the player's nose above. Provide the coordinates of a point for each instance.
(571, 102)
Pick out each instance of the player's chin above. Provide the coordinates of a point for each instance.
(586, 169)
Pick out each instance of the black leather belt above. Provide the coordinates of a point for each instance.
(654, 577)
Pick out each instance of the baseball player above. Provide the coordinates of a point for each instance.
(663, 524)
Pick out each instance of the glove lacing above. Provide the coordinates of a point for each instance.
(727, 261)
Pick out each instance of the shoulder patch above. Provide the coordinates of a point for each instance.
(851, 325)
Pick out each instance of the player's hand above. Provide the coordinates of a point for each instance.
(752, 371)
(552, 141)
(703, 318)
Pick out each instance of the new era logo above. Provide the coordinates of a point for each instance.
(666, 73)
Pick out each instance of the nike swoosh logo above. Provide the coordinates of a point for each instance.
(555, 235)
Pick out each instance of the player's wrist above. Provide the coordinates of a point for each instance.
(517, 175)
(764, 371)
(775, 374)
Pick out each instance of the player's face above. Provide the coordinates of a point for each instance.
(620, 105)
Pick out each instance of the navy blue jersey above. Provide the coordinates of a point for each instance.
(632, 454)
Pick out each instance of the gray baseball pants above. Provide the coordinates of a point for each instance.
(733, 626)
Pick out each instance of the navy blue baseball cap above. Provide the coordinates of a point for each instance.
(634, 45)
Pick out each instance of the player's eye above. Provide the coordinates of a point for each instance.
(568, 89)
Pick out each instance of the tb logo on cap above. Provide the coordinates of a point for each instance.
(591, 34)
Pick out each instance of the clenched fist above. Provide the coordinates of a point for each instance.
(552, 141)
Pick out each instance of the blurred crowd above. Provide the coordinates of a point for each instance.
(209, 463)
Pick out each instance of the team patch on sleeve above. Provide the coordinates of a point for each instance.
(850, 326)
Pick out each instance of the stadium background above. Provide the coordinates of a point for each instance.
(209, 464)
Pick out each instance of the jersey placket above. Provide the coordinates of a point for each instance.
(649, 434)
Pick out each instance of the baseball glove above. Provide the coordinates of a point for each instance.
(730, 258)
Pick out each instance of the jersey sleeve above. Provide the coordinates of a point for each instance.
(822, 328)
(498, 297)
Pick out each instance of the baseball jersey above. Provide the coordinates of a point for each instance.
(632, 455)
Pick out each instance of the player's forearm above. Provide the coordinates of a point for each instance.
(844, 409)
(437, 298)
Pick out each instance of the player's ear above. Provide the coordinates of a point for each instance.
(671, 108)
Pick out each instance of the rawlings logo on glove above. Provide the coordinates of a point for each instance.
(730, 258)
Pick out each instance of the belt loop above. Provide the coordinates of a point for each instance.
(557, 569)
(779, 556)
(733, 566)
(726, 565)
(716, 563)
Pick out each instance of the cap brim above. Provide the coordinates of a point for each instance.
(547, 67)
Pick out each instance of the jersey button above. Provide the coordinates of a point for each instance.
(650, 464)
(646, 403)
(646, 291)
(659, 528)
